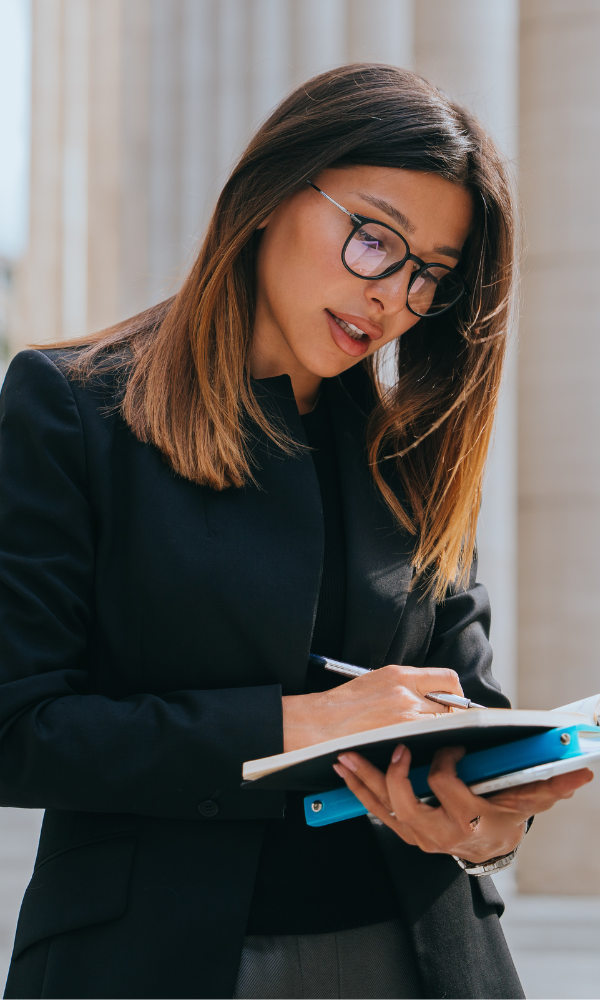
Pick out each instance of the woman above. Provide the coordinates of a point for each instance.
(193, 501)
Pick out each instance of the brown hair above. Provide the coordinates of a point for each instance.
(185, 362)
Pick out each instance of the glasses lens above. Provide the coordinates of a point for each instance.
(373, 249)
(434, 289)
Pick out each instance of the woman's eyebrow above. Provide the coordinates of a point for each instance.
(448, 252)
(404, 221)
(389, 209)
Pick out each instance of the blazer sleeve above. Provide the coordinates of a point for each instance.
(460, 640)
(61, 747)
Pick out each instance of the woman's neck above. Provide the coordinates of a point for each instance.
(306, 393)
(269, 358)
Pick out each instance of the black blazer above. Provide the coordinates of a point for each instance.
(149, 627)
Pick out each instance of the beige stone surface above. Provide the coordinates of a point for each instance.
(560, 853)
(559, 407)
(559, 601)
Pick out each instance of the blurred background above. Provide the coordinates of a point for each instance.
(119, 121)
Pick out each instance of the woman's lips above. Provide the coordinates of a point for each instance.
(346, 343)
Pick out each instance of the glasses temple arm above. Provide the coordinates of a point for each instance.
(341, 207)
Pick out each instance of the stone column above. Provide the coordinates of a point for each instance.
(381, 31)
(140, 107)
(41, 273)
(559, 402)
(470, 50)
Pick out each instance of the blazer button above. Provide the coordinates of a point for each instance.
(208, 808)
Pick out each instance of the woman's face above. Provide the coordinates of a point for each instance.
(303, 288)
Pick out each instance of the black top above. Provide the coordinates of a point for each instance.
(328, 634)
(312, 881)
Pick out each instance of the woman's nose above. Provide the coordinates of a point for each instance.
(392, 291)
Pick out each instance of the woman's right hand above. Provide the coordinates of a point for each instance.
(383, 697)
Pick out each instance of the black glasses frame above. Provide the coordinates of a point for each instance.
(361, 220)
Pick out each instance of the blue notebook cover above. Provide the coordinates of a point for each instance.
(555, 744)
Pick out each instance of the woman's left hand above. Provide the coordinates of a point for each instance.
(467, 825)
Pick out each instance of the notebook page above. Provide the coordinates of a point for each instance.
(590, 707)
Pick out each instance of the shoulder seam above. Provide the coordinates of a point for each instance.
(78, 411)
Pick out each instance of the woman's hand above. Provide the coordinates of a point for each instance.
(463, 824)
(386, 696)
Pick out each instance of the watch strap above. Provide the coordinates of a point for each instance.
(479, 868)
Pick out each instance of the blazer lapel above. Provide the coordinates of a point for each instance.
(378, 564)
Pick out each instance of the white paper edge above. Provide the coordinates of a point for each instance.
(471, 718)
(541, 772)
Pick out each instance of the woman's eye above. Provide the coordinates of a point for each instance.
(424, 282)
(374, 242)
(366, 237)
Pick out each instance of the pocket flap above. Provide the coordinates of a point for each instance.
(82, 885)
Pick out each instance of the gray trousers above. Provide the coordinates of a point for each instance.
(365, 962)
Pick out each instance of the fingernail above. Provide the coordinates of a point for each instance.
(347, 762)
(397, 754)
(338, 770)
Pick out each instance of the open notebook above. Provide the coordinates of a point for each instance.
(310, 768)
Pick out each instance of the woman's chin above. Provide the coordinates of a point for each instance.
(325, 358)
(327, 364)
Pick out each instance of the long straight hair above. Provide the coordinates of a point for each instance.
(184, 363)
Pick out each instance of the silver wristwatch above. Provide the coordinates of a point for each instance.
(494, 865)
(490, 867)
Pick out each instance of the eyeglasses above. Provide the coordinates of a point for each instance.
(374, 250)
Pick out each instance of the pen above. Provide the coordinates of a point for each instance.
(451, 700)
(349, 670)
(346, 669)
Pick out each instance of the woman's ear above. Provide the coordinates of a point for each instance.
(265, 221)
